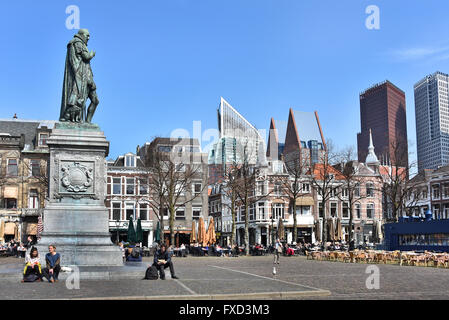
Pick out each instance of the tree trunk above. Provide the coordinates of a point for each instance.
(233, 214)
(246, 228)
(295, 223)
(351, 227)
(172, 222)
(324, 237)
(161, 224)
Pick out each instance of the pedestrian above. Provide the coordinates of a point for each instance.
(277, 251)
(52, 259)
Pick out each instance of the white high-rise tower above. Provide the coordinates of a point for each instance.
(432, 120)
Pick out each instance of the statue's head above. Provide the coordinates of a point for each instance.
(84, 33)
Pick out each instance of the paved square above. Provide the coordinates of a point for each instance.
(230, 278)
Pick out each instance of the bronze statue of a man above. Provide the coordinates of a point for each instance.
(78, 81)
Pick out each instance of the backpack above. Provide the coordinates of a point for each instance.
(32, 277)
(151, 273)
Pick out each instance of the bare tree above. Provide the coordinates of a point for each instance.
(229, 190)
(326, 180)
(298, 170)
(397, 186)
(171, 182)
(350, 183)
(247, 178)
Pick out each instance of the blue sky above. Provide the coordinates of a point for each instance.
(160, 65)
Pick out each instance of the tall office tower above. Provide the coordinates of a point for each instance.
(239, 140)
(382, 109)
(432, 121)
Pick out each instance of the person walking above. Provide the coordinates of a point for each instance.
(277, 251)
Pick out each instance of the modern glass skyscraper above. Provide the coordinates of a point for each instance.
(239, 140)
(432, 121)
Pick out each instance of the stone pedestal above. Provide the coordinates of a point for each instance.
(75, 217)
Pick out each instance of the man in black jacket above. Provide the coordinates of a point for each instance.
(162, 260)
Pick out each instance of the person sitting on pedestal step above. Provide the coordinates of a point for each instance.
(52, 258)
(32, 271)
(162, 260)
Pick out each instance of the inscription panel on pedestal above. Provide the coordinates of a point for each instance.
(77, 178)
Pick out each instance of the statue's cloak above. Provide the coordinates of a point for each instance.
(77, 77)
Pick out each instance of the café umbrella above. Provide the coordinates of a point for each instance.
(317, 230)
(193, 233)
(281, 231)
(2, 230)
(211, 232)
(157, 236)
(139, 232)
(132, 238)
(201, 231)
(339, 235)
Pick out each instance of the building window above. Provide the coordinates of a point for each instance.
(11, 203)
(252, 212)
(436, 192)
(333, 209)
(116, 210)
(369, 190)
(33, 199)
(130, 210)
(143, 213)
(130, 161)
(277, 210)
(12, 167)
(345, 210)
(261, 211)
(129, 185)
(357, 190)
(35, 168)
(164, 148)
(277, 189)
(165, 213)
(357, 210)
(370, 210)
(344, 192)
(43, 139)
(197, 189)
(196, 213)
(116, 185)
(180, 214)
(320, 210)
(143, 186)
(306, 187)
(446, 190)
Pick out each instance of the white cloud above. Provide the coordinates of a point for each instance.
(421, 53)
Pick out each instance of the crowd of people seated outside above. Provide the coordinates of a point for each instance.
(16, 248)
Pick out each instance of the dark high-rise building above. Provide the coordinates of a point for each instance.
(382, 109)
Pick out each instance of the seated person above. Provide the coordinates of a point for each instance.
(52, 259)
(135, 254)
(32, 271)
(162, 260)
(183, 250)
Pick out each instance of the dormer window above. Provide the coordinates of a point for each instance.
(130, 161)
(43, 139)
